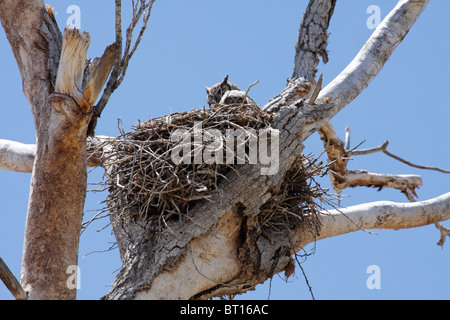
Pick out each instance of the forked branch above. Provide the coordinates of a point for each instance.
(140, 11)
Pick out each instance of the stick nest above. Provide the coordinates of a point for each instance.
(143, 181)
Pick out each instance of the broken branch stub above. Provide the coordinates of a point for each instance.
(71, 70)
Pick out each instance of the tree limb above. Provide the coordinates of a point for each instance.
(11, 282)
(444, 234)
(374, 54)
(383, 215)
(312, 38)
(19, 157)
(311, 42)
(15, 156)
(407, 184)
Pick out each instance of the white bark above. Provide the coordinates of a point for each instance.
(212, 259)
(19, 157)
(15, 156)
(375, 53)
(385, 215)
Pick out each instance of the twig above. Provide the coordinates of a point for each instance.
(306, 278)
(414, 165)
(121, 64)
(248, 89)
(362, 152)
(11, 282)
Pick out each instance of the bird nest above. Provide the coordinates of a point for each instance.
(144, 181)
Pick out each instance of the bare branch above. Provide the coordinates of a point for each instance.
(11, 282)
(414, 165)
(19, 157)
(342, 178)
(312, 38)
(405, 183)
(347, 138)
(15, 156)
(141, 9)
(374, 54)
(337, 156)
(381, 215)
(381, 148)
(99, 72)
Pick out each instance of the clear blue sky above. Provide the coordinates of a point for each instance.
(190, 44)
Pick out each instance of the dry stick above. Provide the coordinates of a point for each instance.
(11, 282)
(382, 148)
(414, 165)
(316, 90)
(248, 89)
(362, 152)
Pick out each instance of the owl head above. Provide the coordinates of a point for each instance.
(234, 96)
(215, 93)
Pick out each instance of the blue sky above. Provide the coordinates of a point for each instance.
(192, 44)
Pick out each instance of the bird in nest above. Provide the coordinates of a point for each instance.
(226, 92)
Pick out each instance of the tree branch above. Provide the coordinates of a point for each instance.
(11, 282)
(444, 234)
(407, 184)
(311, 42)
(414, 165)
(140, 9)
(374, 54)
(15, 156)
(383, 215)
(312, 38)
(19, 157)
